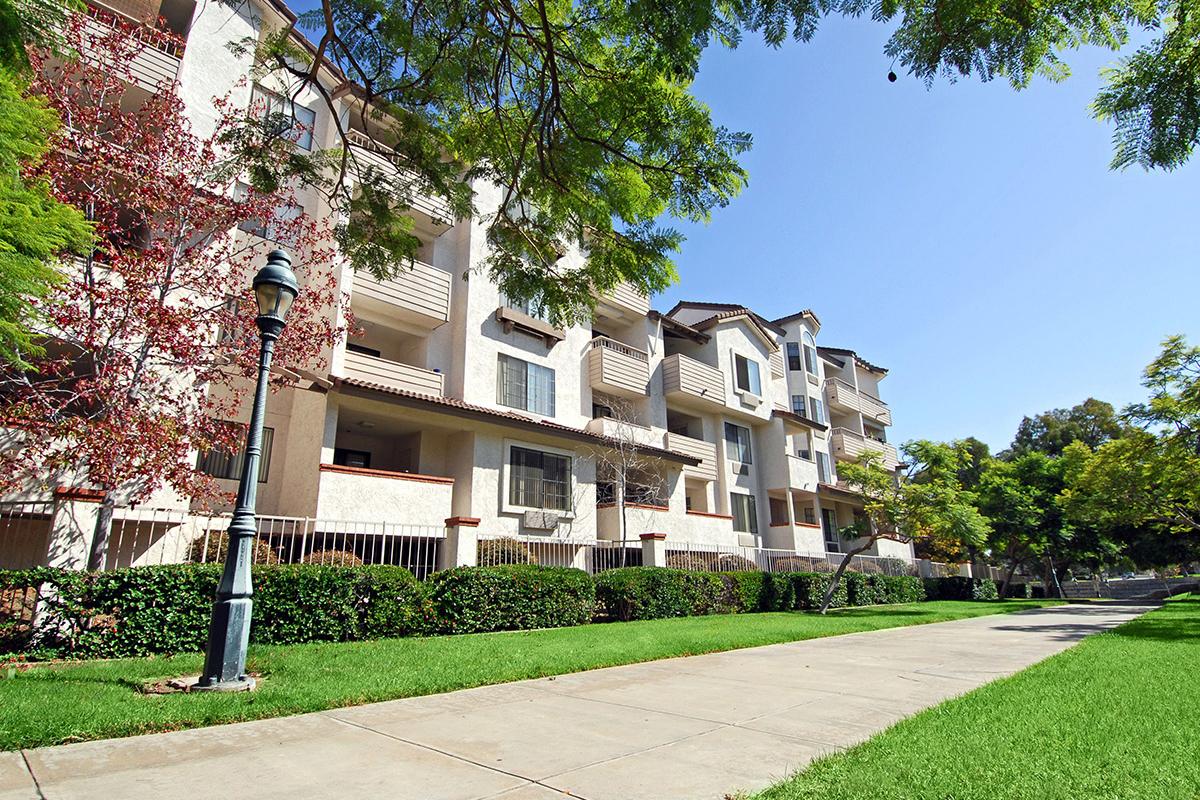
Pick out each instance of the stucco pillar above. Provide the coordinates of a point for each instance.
(460, 547)
(654, 549)
(72, 526)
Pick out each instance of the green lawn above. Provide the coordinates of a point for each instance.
(93, 700)
(1114, 717)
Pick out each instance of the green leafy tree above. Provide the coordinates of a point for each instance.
(1093, 422)
(35, 228)
(1150, 477)
(582, 111)
(927, 503)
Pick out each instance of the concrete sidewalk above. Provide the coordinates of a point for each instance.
(694, 727)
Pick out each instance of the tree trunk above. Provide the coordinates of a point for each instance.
(624, 527)
(1012, 567)
(1054, 574)
(837, 576)
(101, 533)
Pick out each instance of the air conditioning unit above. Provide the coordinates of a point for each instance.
(541, 520)
(739, 469)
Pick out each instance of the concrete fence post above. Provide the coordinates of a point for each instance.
(654, 549)
(72, 526)
(460, 549)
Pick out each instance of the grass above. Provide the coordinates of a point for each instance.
(1114, 717)
(60, 703)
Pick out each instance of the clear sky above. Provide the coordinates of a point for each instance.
(969, 238)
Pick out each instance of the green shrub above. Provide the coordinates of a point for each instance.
(210, 549)
(510, 597)
(505, 550)
(809, 588)
(165, 609)
(897, 566)
(658, 592)
(959, 587)
(902, 589)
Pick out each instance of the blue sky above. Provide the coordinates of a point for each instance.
(968, 237)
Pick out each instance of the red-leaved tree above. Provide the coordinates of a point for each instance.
(150, 341)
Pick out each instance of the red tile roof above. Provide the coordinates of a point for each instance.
(512, 418)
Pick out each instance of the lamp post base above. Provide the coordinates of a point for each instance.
(244, 684)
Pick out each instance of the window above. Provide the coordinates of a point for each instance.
(778, 508)
(810, 353)
(351, 458)
(746, 375)
(539, 480)
(534, 308)
(526, 386)
(803, 447)
(823, 471)
(738, 440)
(793, 357)
(279, 227)
(296, 121)
(810, 516)
(352, 347)
(745, 515)
(833, 541)
(223, 464)
(818, 411)
(798, 405)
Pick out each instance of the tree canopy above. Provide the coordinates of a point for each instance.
(1092, 422)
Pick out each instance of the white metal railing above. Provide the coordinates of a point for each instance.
(590, 555)
(160, 40)
(145, 536)
(620, 347)
(717, 558)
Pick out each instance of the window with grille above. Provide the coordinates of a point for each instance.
(526, 386)
(223, 464)
(793, 357)
(539, 480)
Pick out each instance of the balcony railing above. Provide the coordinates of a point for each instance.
(622, 302)
(691, 382)
(850, 445)
(842, 394)
(706, 470)
(393, 374)
(419, 295)
(157, 62)
(616, 368)
(391, 163)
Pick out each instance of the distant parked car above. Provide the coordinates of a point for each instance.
(1126, 576)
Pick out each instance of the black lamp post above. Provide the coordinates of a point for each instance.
(275, 288)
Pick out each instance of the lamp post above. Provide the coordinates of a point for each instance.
(275, 288)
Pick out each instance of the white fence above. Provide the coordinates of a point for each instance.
(590, 555)
(706, 558)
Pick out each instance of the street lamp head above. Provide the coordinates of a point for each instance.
(275, 288)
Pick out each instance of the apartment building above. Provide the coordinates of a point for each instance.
(457, 407)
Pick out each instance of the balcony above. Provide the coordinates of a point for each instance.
(706, 470)
(157, 62)
(689, 382)
(392, 374)
(623, 303)
(849, 445)
(434, 211)
(845, 397)
(350, 493)
(618, 369)
(624, 431)
(418, 295)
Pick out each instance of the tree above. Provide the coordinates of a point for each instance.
(1150, 477)
(628, 474)
(905, 509)
(35, 229)
(583, 112)
(150, 344)
(1092, 422)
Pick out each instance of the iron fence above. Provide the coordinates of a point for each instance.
(590, 555)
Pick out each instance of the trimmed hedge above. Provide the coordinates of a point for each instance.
(960, 588)
(511, 597)
(810, 590)
(632, 593)
(165, 609)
